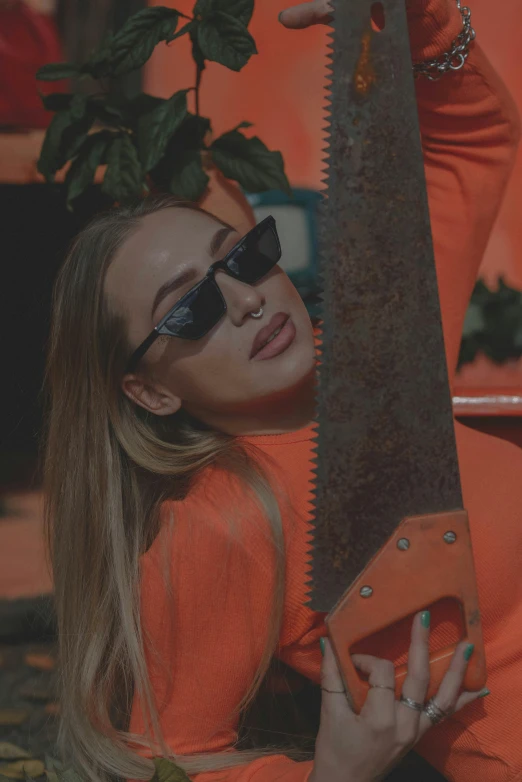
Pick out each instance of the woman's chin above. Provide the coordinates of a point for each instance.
(290, 378)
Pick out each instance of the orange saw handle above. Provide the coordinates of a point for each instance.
(428, 558)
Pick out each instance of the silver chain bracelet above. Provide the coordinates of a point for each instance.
(454, 59)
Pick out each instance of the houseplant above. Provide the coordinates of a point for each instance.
(149, 143)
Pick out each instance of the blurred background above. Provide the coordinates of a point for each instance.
(280, 92)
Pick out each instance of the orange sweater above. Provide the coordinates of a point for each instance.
(209, 635)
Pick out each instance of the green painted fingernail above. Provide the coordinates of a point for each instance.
(425, 618)
(322, 645)
(468, 651)
(484, 693)
(280, 15)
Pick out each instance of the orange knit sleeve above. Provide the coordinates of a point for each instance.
(206, 602)
(470, 132)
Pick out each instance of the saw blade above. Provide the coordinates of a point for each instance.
(386, 445)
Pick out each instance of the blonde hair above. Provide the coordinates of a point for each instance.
(108, 467)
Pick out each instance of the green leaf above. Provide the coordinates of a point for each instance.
(90, 155)
(123, 179)
(184, 30)
(474, 321)
(131, 110)
(188, 178)
(177, 171)
(54, 71)
(241, 10)
(156, 127)
(203, 8)
(249, 162)
(517, 339)
(104, 111)
(142, 104)
(78, 106)
(192, 132)
(167, 771)
(62, 140)
(132, 46)
(98, 63)
(225, 40)
(56, 101)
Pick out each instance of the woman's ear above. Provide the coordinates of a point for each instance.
(155, 399)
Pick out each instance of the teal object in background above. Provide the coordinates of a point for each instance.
(296, 218)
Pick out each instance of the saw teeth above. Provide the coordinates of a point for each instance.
(326, 127)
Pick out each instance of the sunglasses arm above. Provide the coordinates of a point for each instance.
(141, 350)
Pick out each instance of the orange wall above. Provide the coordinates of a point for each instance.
(498, 27)
(281, 90)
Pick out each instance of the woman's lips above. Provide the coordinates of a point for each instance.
(279, 344)
(277, 321)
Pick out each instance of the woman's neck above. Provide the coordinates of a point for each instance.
(280, 414)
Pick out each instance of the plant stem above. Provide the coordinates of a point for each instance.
(198, 84)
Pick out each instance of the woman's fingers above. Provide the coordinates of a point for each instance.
(380, 701)
(447, 698)
(417, 679)
(452, 682)
(331, 680)
(306, 15)
(468, 697)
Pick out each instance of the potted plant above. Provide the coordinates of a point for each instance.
(149, 143)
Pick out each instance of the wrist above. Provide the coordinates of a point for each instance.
(433, 25)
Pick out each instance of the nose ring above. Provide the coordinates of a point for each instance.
(258, 313)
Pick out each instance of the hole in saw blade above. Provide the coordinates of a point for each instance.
(378, 17)
(392, 643)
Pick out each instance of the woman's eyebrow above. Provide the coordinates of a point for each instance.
(189, 275)
(218, 239)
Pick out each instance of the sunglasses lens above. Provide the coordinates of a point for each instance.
(259, 253)
(196, 313)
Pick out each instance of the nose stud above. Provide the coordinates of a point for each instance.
(258, 313)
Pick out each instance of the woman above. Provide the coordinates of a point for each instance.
(178, 482)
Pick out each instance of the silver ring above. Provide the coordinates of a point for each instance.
(334, 692)
(382, 687)
(434, 712)
(411, 704)
(258, 313)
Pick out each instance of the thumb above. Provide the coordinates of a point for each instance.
(331, 679)
(306, 15)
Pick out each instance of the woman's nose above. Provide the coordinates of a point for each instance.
(241, 298)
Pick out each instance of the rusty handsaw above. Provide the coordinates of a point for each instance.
(390, 533)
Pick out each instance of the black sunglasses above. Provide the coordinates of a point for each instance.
(204, 305)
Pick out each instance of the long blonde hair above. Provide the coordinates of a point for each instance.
(108, 467)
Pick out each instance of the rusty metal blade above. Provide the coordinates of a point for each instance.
(386, 445)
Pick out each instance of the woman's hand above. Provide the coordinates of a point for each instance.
(313, 12)
(364, 747)
(306, 14)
